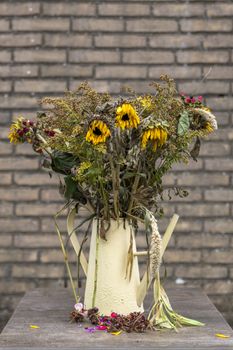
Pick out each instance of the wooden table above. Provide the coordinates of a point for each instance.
(49, 309)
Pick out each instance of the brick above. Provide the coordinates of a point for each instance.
(120, 72)
(120, 41)
(220, 195)
(40, 271)
(215, 149)
(151, 26)
(18, 225)
(219, 287)
(197, 240)
(7, 71)
(187, 225)
(224, 164)
(219, 10)
(5, 86)
(5, 56)
(98, 25)
(222, 118)
(208, 272)
(16, 255)
(34, 179)
(177, 72)
(40, 55)
(147, 57)
(19, 8)
(18, 163)
(219, 225)
(219, 256)
(38, 24)
(215, 41)
(70, 8)
(24, 149)
(9, 102)
(5, 240)
(122, 9)
(219, 72)
(175, 41)
(6, 208)
(191, 166)
(4, 132)
(5, 148)
(17, 287)
(205, 25)
(208, 87)
(178, 10)
(39, 85)
(51, 195)
(5, 178)
(112, 87)
(18, 194)
(203, 210)
(4, 25)
(28, 240)
(5, 118)
(179, 256)
(67, 71)
(221, 103)
(98, 56)
(16, 40)
(222, 134)
(37, 209)
(56, 256)
(68, 40)
(202, 56)
(205, 179)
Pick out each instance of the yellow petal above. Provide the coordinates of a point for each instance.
(34, 326)
(223, 336)
(116, 333)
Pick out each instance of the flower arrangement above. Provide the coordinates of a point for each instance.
(111, 155)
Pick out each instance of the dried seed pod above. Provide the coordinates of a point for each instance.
(155, 248)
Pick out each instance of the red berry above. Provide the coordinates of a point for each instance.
(188, 100)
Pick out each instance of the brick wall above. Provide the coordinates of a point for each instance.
(47, 47)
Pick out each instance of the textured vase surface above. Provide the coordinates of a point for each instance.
(114, 291)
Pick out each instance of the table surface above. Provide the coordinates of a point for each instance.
(49, 309)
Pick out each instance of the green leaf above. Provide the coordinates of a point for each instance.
(70, 187)
(183, 124)
(72, 191)
(62, 162)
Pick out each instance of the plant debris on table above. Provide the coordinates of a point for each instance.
(114, 324)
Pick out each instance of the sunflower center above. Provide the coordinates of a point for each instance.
(125, 117)
(97, 131)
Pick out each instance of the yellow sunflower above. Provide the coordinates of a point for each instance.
(126, 117)
(98, 132)
(157, 136)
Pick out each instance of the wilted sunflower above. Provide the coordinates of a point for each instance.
(158, 136)
(127, 117)
(98, 132)
(16, 131)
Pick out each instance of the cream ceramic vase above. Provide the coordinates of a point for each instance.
(107, 286)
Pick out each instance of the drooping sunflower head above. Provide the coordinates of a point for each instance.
(156, 136)
(98, 132)
(208, 120)
(126, 117)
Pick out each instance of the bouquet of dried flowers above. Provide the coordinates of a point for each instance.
(111, 155)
